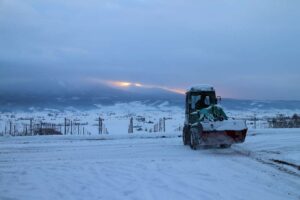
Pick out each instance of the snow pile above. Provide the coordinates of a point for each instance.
(201, 87)
(230, 124)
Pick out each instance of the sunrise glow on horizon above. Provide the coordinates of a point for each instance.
(126, 84)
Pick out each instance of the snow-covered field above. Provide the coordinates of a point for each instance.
(116, 118)
(145, 164)
(149, 166)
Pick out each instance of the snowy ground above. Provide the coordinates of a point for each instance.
(116, 118)
(148, 166)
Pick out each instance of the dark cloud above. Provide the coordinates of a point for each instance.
(248, 49)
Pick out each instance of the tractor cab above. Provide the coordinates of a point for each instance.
(199, 97)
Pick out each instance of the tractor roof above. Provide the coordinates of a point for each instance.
(201, 88)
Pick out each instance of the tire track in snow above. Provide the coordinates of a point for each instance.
(267, 161)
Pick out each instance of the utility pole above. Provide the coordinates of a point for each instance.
(159, 125)
(71, 127)
(100, 125)
(254, 120)
(10, 124)
(130, 128)
(164, 124)
(65, 131)
(31, 119)
(26, 129)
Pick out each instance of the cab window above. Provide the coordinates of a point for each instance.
(195, 99)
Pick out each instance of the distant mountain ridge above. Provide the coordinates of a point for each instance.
(239, 104)
(83, 103)
(62, 95)
(85, 98)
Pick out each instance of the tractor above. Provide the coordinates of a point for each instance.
(206, 124)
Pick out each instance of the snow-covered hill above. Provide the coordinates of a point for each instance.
(116, 117)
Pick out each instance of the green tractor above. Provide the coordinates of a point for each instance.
(206, 123)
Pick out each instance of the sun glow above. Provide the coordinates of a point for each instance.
(127, 84)
(121, 84)
(175, 90)
(130, 84)
(124, 84)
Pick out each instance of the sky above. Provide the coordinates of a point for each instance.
(246, 49)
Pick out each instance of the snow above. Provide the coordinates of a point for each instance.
(230, 124)
(201, 87)
(145, 165)
(116, 117)
(148, 166)
(280, 144)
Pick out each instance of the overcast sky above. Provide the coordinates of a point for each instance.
(247, 49)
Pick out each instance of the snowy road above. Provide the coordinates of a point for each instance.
(147, 168)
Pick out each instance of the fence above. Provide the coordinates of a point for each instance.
(30, 126)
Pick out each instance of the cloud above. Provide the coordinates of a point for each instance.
(175, 44)
(127, 84)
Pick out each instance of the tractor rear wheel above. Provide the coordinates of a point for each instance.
(185, 135)
(194, 138)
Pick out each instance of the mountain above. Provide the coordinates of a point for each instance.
(79, 95)
(246, 105)
(60, 95)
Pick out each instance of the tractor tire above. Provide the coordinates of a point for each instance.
(194, 138)
(185, 135)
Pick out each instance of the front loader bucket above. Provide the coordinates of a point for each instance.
(223, 137)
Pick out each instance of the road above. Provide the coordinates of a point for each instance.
(58, 167)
